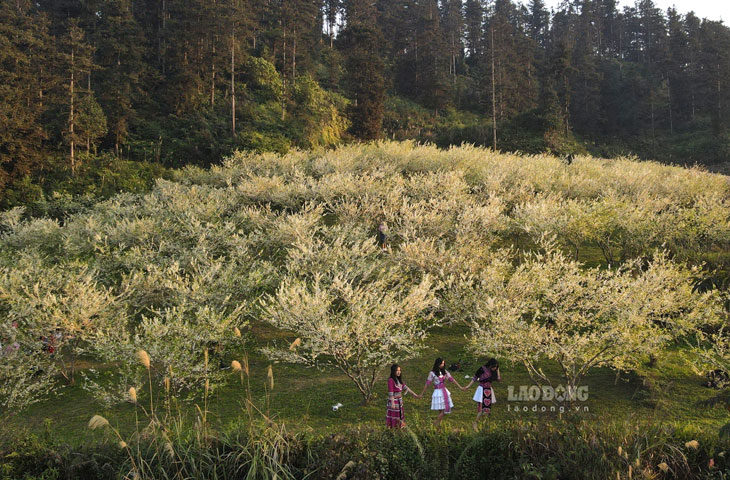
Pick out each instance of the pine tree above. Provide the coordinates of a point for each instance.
(452, 21)
(654, 50)
(715, 67)
(474, 29)
(364, 69)
(555, 91)
(677, 77)
(609, 28)
(509, 43)
(587, 79)
(25, 51)
(538, 23)
(693, 29)
(332, 9)
(120, 51)
(432, 63)
(77, 61)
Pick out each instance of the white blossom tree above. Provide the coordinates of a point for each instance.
(26, 374)
(350, 307)
(552, 308)
(57, 306)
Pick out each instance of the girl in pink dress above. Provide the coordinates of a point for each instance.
(441, 398)
(394, 416)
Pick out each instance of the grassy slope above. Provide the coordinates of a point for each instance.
(303, 397)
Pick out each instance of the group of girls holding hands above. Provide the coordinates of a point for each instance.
(441, 398)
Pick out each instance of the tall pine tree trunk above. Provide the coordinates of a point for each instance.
(212, 79)
(651, 106)
(719, 99)
(671, 119)
(71, 118)
(283, 76)
(40, 89)
(453, 58)
(161, 38)
(88, 89)
(494, 97)
(233, 82)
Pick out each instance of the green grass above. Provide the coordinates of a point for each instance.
(303, 397)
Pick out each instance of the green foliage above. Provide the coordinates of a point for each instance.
(91, 121)
(523, 449)
(319, 115)
(404, 119)
(57, 193)
(263, 80)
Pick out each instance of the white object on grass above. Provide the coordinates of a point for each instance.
(336, 407)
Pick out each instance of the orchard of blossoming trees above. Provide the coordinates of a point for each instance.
(491, 241)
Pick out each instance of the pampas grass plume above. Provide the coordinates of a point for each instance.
(237, 332)
(133, 394)
(343, 473)
(236, 366)
(170, 451)
(144, 358)
(97, 421)
(295, 344)
(245, 365)
(693, 444)
(270, 374)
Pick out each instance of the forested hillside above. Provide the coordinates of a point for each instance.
(98, 96)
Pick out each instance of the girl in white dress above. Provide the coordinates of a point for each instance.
(441, 398)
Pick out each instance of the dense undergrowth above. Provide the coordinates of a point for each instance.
(540, 450)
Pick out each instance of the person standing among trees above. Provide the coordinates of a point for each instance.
(382, 234)
(441, 398)
(484, 394)
(394, 417)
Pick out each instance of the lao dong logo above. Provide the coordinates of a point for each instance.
(546, 393)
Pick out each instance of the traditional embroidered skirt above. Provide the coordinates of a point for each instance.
(485, 396)
(437, 399)
(394, 412)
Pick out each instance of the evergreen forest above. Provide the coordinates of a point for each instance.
(100, 96)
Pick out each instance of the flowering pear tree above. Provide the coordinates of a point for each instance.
(26, 374)
(350, 308)
(187, 326)
(710, 345)
(60, 307)
(552, 308)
